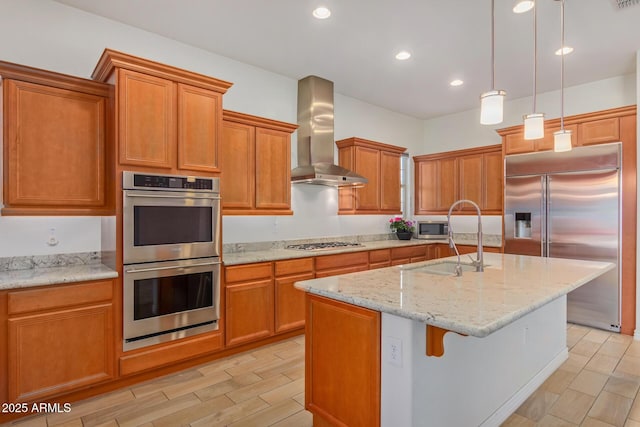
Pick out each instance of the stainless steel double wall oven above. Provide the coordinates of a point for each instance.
(171, 241)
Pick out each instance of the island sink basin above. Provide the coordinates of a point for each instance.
(446, 268)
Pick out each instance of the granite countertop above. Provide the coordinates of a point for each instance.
(29, 271)
(475, 304)
(280, 253)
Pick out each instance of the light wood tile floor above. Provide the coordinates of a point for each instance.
(596, 387)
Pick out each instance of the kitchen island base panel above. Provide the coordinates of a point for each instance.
(489, 377)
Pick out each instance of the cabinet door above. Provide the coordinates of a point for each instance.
(54, 147)
(447, 183)
(273, 169)
(59, 351)
(342, 358)
(146, 120)
(249, 311)
(237, 165)
(426, 186)
(199, 122)
(515, 144)
(346, 195)
(470, 173)
(368, 165)
(289, 303)
(390, 182)
(492, 177)
(599, 131)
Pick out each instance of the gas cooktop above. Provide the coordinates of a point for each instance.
(322, 245)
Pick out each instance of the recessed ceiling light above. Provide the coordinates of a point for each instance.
(523, 6)
(321, 12)
(403, 55)
(456, 82)
(564, 51)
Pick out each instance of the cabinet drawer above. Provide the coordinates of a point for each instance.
(59, 296)
(248, 272)
(379, 256)
(409, 252)
(293, 266)
(330, 262)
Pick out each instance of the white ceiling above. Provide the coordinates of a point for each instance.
(355, 47)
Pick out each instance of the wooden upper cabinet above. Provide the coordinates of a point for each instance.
(146, 120)
(380, 164)
(599, 131)
(273, 169)
(474, 174)
(493, 181)
(255, 165)
(390, 181)
(586, 129)
(55, 143)
(237, 166)
(199, 128)
(167, 118)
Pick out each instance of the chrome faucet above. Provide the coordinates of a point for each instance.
(478, 263)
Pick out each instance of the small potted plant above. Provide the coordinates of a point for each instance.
(403, 228)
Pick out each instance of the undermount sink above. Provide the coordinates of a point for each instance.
(446, 268)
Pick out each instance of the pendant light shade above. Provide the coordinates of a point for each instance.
(534, 126)
(562, 141)
(562, 138)
(491, 107)
(534, 122)
(492, 102)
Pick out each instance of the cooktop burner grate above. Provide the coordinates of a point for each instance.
(322, 245)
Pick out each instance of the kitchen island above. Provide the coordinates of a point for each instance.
(378, 351)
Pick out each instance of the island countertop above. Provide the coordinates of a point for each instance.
(475, 304)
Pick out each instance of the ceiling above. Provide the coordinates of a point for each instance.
(355, 47)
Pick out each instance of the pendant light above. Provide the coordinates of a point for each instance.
(562, 138)
(491, 103)
(534, 122)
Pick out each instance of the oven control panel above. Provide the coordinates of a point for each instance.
(134, 180)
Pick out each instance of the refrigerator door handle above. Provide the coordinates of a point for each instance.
(544, 212)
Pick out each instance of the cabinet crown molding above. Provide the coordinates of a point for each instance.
(112, 59)
(248, 119)
(360, 142)
(28, 74)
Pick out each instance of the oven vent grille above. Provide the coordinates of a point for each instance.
(624, 3)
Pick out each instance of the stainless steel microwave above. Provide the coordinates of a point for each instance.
(432, 230)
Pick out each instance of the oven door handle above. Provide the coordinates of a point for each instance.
(144, 270)
(171, 196)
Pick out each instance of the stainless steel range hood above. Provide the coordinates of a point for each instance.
(315, 137)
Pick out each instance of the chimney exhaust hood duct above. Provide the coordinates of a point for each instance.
(315, 138)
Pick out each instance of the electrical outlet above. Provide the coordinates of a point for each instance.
(394, 351)
(52, 240)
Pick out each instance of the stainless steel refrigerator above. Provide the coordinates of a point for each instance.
(567, 205)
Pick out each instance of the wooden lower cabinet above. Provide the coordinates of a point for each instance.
(289, 301)
(332, 265)
(342, 363)
(408, 254)
(249, 311)
(379, 258)
(60, 339)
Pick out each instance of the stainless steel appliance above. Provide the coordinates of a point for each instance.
(171, 280)
(170, 217)
(567, 205)
(168, 300)
(322, 246)
(428, 230)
